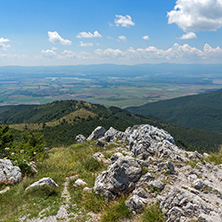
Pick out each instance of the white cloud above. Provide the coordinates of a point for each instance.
(124, 21)
(146, 37)
(69, 54)
(54, 37)
(86, 44)
(212, 52)
(122, 38)
(49, 52)
(89, 35)
(189, 35)
(109, 52)
(197, 15)
(3, 43)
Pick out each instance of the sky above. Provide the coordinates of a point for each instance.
(72, 32)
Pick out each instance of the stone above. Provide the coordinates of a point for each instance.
(97, 133)
(4, 190)
(138, 200)
(120, 178)
(116, 156)
(113, 134)
(9, 174)
(87, 190)
(79, 182)
(33, 166)
(80, 138)
(45, 181)
(100, 143)
(198, 184)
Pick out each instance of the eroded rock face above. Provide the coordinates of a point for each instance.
(45, 181)
(97, 133)
(185, 193)
(9, 174)
(80, 138)
(120, 178)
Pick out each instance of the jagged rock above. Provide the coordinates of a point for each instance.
(136, 203)
(45, 181)
(198, 184)
(120, 178)
(9, 174)
(80, 138)
(143, 139)
(113, 134)
(100, 142)
(116, 156)
(209, 218)
(79, 182)
(97, 133)
(87, 189)
(156, 186)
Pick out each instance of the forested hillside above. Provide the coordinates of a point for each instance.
(202, 111)
(61, 121)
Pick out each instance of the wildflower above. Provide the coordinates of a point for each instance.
(7, 148)
(21, 151)
(34, 153)
(13, 154)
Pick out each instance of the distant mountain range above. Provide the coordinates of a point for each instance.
(61, 121)
(202, 111)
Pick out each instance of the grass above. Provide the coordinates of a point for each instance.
(215, 158)
(116, 211)
(153, 213)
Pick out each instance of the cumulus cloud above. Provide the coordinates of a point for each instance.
(68, 54)
(197, 15)
(49, 52)
(122, 38)
(212, 52)
(124, 21)
(189, 35)
(86, 44)
(146, 37)
(109, 52)
(89, 35)
(54, 37)
(4, 43)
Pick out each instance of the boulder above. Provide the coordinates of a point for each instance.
(9, 174)
(100, 142)
(113, 134)
(45, 181)
(120, 178)
(97, 133)
(80, 138)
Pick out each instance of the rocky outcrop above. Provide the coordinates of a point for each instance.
(9, 174)
(80, 138)
(45, 181)
(97, 133)
(120, 178)
(157, 170)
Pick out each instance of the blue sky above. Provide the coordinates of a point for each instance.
(70, 32)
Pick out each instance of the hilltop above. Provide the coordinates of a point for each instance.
(61, 121)
(202, 111)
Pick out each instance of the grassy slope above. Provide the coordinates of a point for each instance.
(203, 111)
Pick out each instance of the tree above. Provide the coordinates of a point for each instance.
(6, 139)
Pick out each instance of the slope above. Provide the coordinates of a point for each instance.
(62, 121)
(203, 111)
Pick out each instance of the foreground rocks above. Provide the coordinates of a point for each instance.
(120, 178)
(155, 169)
(9, 174)
(46, 181)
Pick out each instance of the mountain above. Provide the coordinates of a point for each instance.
(62, 121)
(202, 111)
